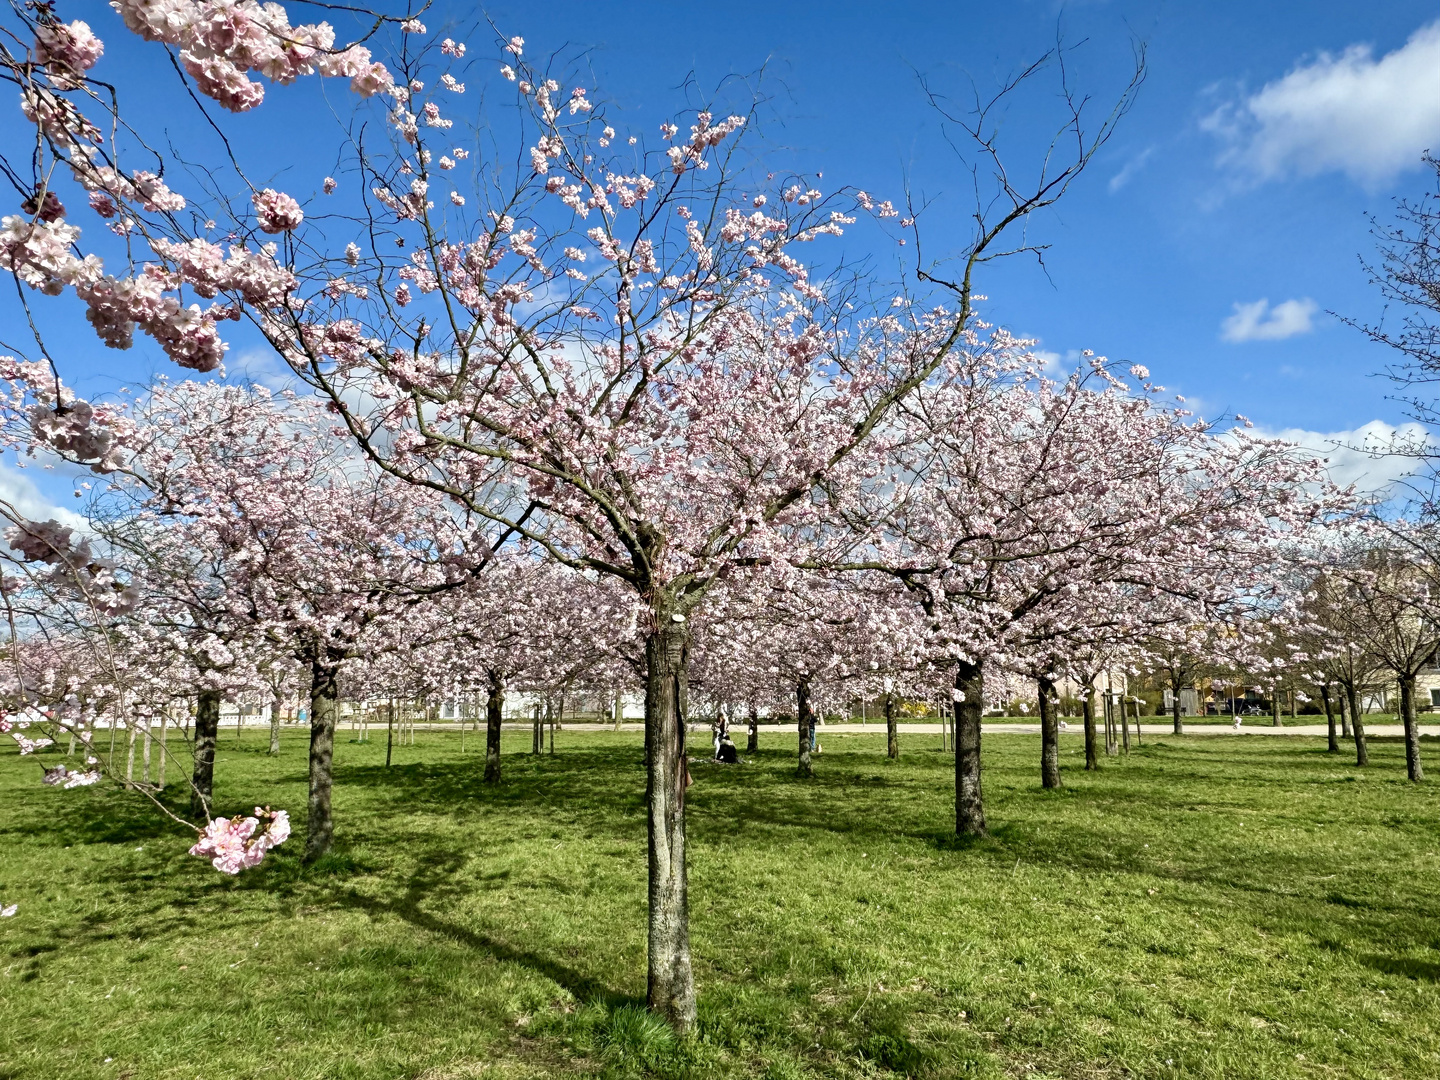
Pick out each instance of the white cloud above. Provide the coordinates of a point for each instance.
(264, 367)
(1373, 456)
(20, 492)
(1260, 322)
(1350, 113)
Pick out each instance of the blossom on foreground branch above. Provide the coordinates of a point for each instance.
(231, 844)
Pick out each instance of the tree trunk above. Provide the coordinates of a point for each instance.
(805, 720)
(892, 735)
(1334, 743)
(1087, 710)
(390, 730)
(207, 730)
(537, 732)
(671, 984)
(1344, 714)
(1413, 767)
(1049, 736)
(320, 830)
(1357, 726)
(164, 748)
(494, 706)
(1275, 706)
(970, 706)
(752, 745)
(275, 725)
(1137, 717)
(1118, 706)
(145, 753)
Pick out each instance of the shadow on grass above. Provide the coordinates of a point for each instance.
(436, 883)
(1428, 970)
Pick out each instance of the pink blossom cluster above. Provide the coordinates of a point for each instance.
(231, 844)
(38, 253)
(76, 567)
(704, 135)
(187, 334)
(277, 212)
(57, 419)
(222, 41)
(251, 273)
(67, 50)
(46, 542)
(59, 120)
(144, 188)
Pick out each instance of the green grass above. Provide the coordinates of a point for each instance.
(1206, 908)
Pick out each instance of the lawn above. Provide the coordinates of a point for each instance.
(1208, 907)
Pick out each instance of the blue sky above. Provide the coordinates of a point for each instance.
(1208, 241)
(1228, 184)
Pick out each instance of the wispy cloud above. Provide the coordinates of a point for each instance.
(1258, 321)
(1129, 169)
(1374, 457)
(1370, 119)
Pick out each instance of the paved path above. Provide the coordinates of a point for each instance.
(1252, 726)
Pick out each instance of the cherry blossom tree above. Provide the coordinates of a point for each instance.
(611, 351)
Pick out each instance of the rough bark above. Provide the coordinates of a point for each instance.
(671, 984)
(752, 745)
(1357, 726)
(1334, 743)
(320, 830)
(1275, 706)
(1344, 715)
(969, 799)
(1174, 708)
(207, 729)
(275, 725)
(892, 735)
(804, 721)
(494, 707)
(1049, 736)
(1087, 710)
(1413, 768)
